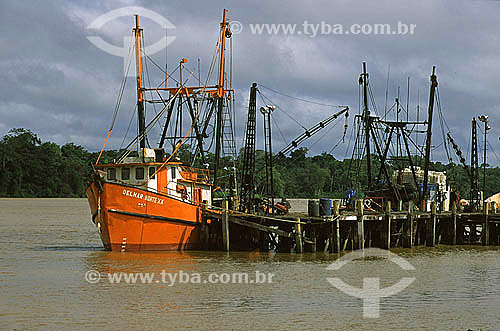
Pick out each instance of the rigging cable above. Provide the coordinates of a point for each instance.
(387, 91)
(359, 99)
(488, 144)
(441, 120)
(372, 99)
(149, 83)
(300, 99)
(133, 143)
(163, 70)
(469, 143)
(279, 108)
(491, 147)
(203, 98)
(341, 140)
(128, 128)
(350, 137)
(324, 134)
(118, 101)
(281, 133)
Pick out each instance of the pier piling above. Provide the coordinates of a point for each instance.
(430, 238)
(225, 227)
(336, 227)
(486, 225)
(386, 227)
(454, 220)
(408, 227)
(298, 237)
(360, 227)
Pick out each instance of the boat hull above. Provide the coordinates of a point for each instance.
(135, 219)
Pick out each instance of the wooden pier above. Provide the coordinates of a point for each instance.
(350, 230)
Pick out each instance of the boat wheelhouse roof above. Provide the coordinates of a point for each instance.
(187, 173)
(143, 164)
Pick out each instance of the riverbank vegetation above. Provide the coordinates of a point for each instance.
(32, 168)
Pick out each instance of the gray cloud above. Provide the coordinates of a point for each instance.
(58, 84)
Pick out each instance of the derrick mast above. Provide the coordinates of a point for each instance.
(474, 167)
(268, 153)
(248, 175)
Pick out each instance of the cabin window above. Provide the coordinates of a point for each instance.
(152, 172)
(125, 173)
(139, 173)
(111, 173)
(172, 171)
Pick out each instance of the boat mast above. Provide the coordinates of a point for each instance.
(140, 97)
(434, 83)
(367, 123)
(224, 32)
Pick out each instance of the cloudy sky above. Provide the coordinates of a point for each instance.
(64, 88)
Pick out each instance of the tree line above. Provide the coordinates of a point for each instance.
(32, 168)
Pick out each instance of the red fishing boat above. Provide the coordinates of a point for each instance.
(146, 200)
